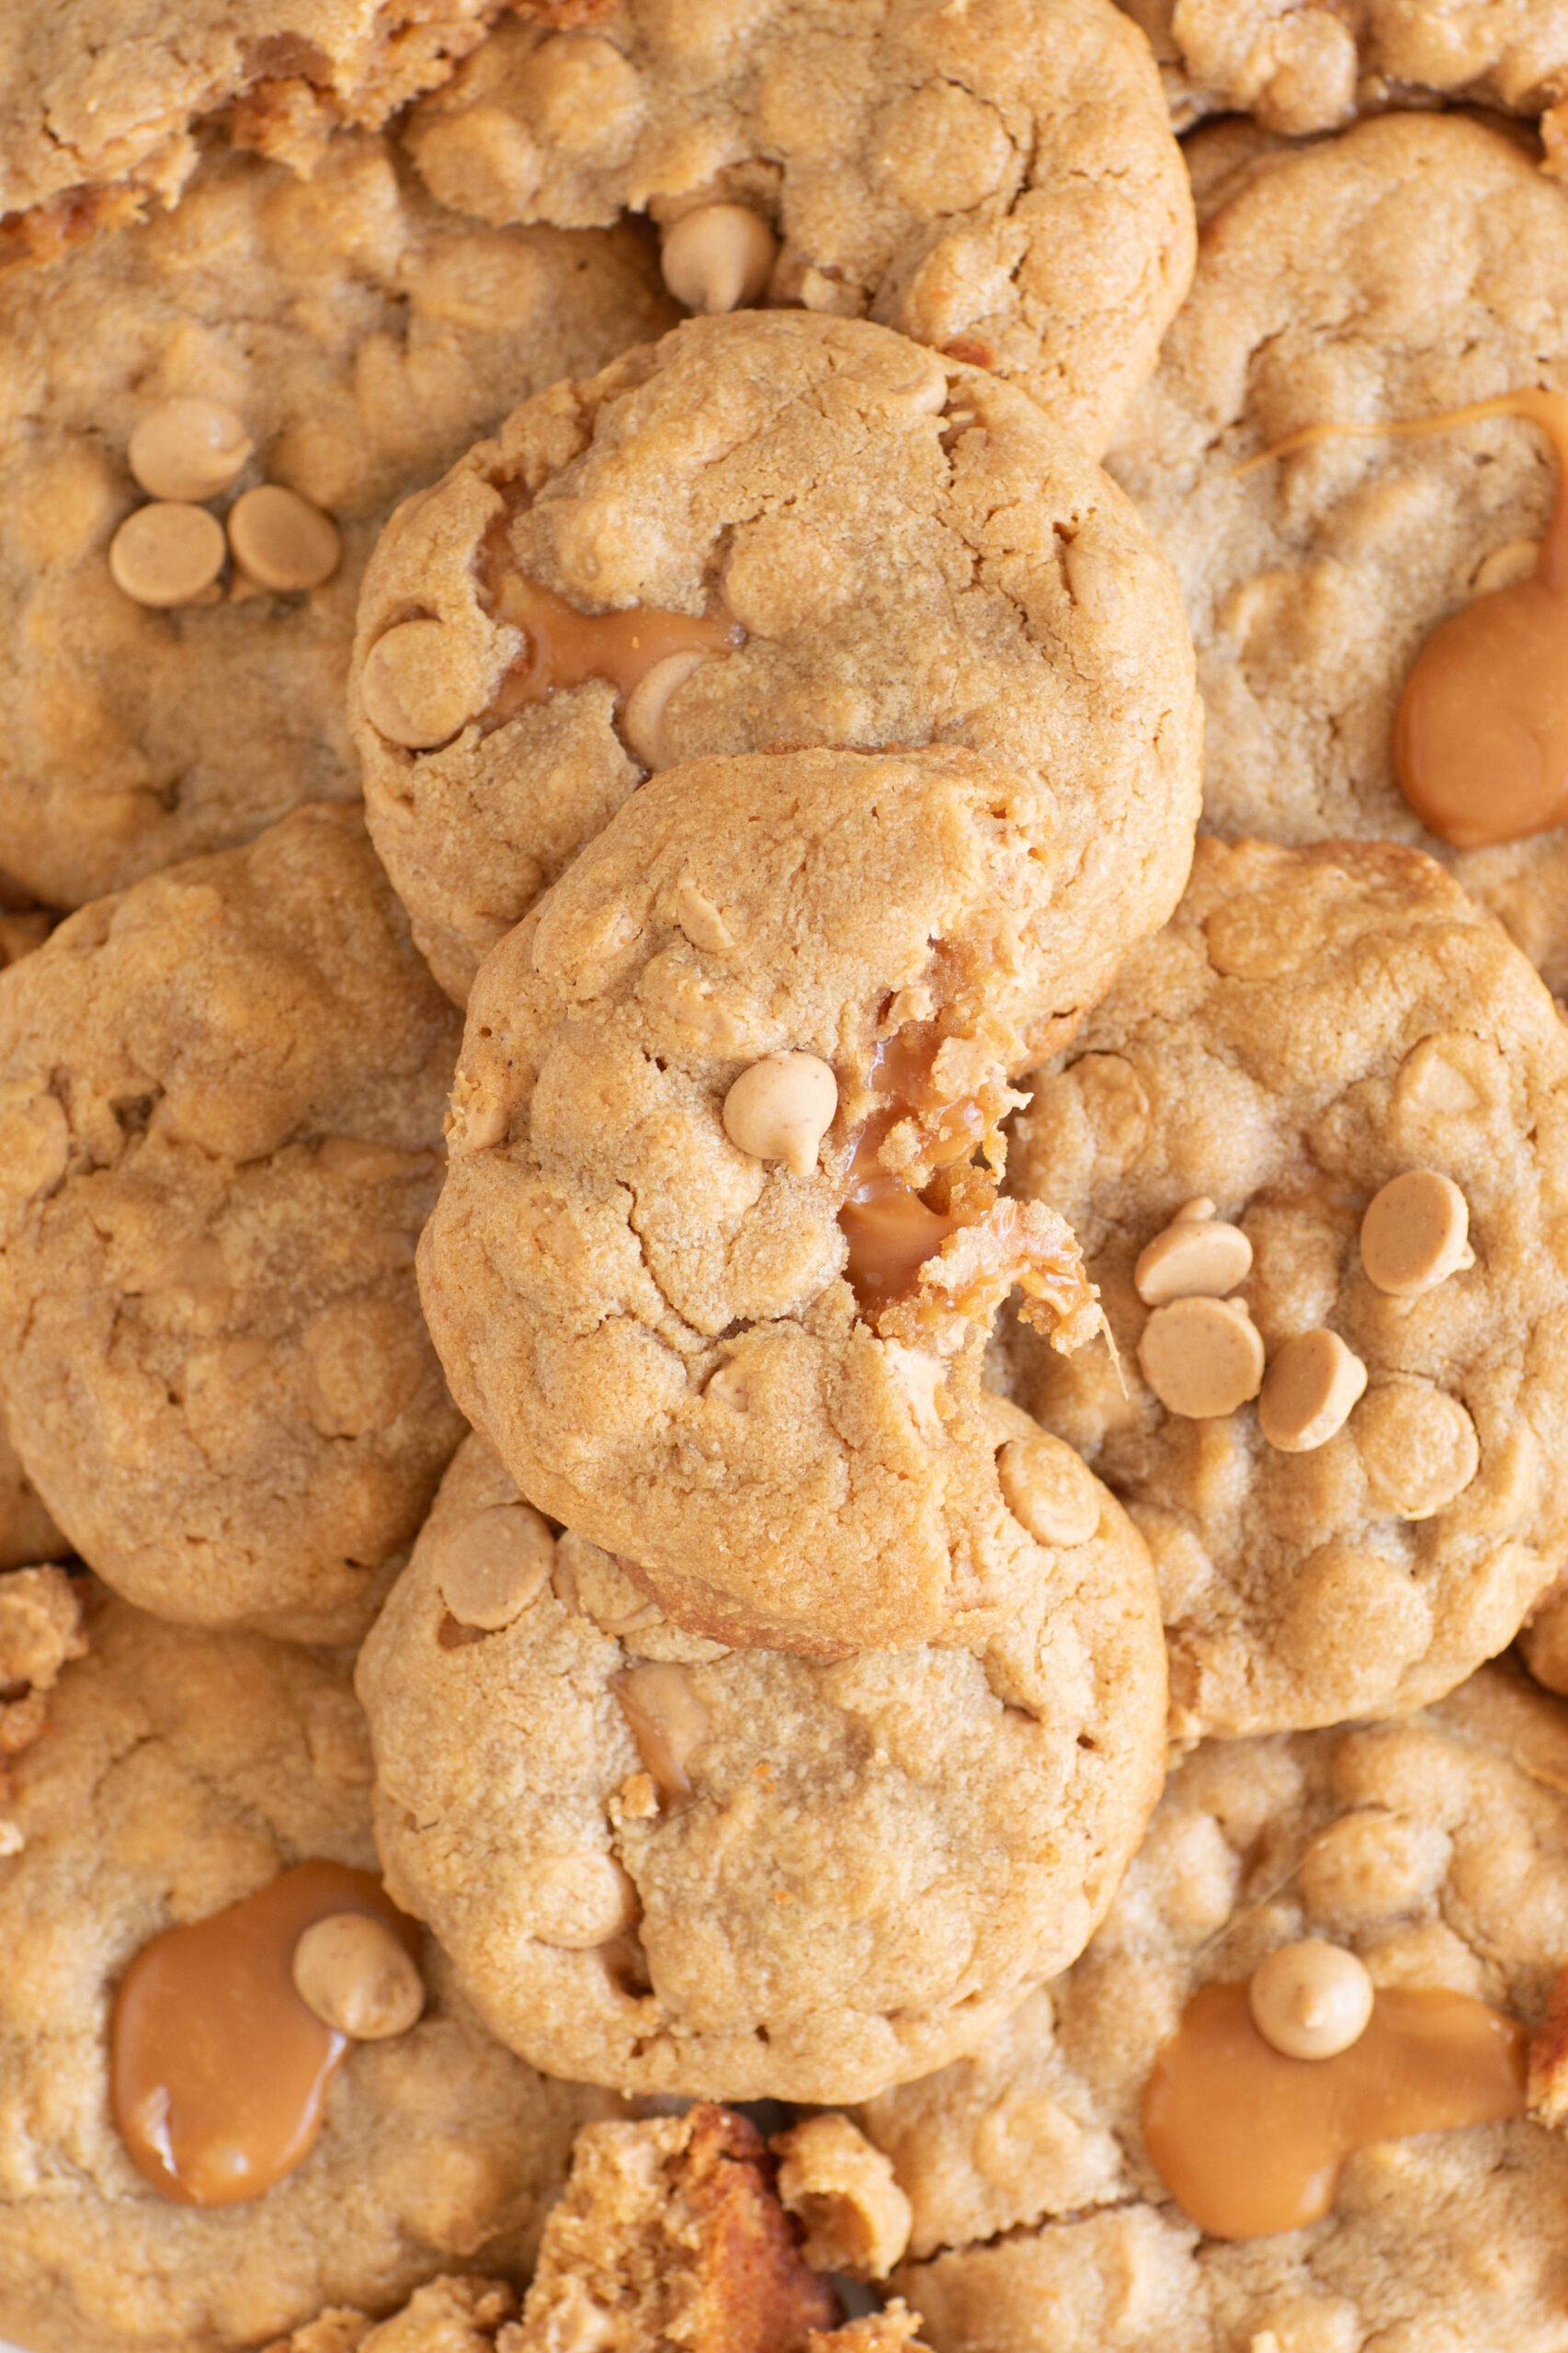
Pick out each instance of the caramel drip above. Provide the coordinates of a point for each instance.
(217, 2071)
(1481, 734)
(890, 1230)
(1248, 2141)
(565, 647)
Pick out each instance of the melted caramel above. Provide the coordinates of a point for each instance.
(565, 647)
(217, 2071)
(1248, 2141)
(1481, 734)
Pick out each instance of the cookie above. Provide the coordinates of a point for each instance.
(40, 1631)
(737, 1872)
(997, 180)
(341, 339)
(447, 2315)
(769, 529)
(222, 1095)
(1435, 1851)
(1311, 68)
(183, 1774)
(1412, 265)
(714, 1264)
(26, 1531)
(1315, 1026)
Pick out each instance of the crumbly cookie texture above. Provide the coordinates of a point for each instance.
(669, 2235)
(104, 99)
(1311, 67)
(997, 178)
(654, 1327)
(1435, 1847)
(447, 2315)
(912, 551)
(221, 1105)
(1406, 267)
(361, 338)
(41, 1630)
(180, 1771)
(27, 1532)
(1314, 1024)
(738, 1872)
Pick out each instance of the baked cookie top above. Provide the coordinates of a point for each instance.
(350, 338)
(1412, 265)
(719, 1248)
(998, 180)
(766, 529)
(1314, 1026)
(1436, 1849)
(739, 1873)
(180, 1773)
(221, 1096)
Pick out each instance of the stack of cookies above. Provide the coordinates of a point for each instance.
(783, 1178)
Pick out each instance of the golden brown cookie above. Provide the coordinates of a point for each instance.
(997, 180)
(1313, 1028)
(182, 1773)
(738, 1872)
(342, 338)
(719, 1246)
(1409, 266)
(769, 529)
(447, 2315)
(222, 1098)
(1434, 1849)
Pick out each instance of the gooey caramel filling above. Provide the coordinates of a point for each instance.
(565, 647)
(1248, 2141)
(218, 2070)
(1480, 733)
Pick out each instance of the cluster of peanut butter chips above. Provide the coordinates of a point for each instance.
(783, 1177)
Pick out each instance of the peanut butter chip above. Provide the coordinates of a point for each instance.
(580, 1900)
(1308, 1390)
(642, 714)
(668, 1722)
(1418, 1445)
(1048, 1490)
(1310, 2000)
(1197, 1257)
(718, 258)
(218, 2070)
(780, 1109)
(494, 1565)
(356, 1975)
(412, 692)
(1415, 1233)
(1202, 1357)
(188, 448)
(280, 540)
(167, 553)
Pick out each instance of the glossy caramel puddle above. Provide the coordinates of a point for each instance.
(1481, 734)
(218, 2070)
(1249, 2143)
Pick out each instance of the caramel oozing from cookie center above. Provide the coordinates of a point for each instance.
(1481, 734)
(218, 2070)
(1249, 2141)
(565, 647)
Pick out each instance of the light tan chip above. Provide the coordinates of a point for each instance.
(1415, 1233)
(642, 714)
(169, 554)
(719, 257)
(355, 1974)
(1418, 1445)
(188, 448)
(1202, 1357)
(780, 1109)
(1309, 1390)
(1197, 1257)
(412, 692)
(1048, 1490)
(1310, 2000)
(494, 1565)
(580, 1900)
(281, 540)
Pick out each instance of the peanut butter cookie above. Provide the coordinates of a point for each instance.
(183, 1775)
(1407, 268)
(771, 530)
(1424, 1860)
(719, 1245)
(737, 1872)
(220, 1104)
(169, 691)
(996, 179)
(1357, 1089)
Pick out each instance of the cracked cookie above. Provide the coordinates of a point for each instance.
(183, 1774)
(339, 339)
(739, 1873)
(771, 530)
(1432, 1854)
(1341, 1055)
(221, 1105)
(1404, 269)
(996, 179)
(719, 1244)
